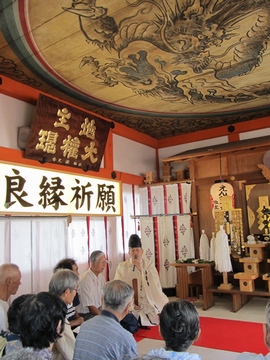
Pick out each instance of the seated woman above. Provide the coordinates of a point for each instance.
(179, 327)
(41, 322)
(64, 283)
(13, 335)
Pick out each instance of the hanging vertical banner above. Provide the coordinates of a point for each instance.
(167, 251)
(157, 200)
(65, 135)
(147, 237)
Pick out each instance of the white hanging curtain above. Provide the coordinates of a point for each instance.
(128, 210)
(185, 237)
(4, 240)
(144, 204)
(185, 195)
(19, 251)
(166, 251)
(158, 232)
(97, 236)
(172, 199)
(77, 246)
(115, 248)
(137, 208)
(157, 200)
(35, 245)
(147, 237)
(49, 245)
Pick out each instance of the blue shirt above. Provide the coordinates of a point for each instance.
(251, 356)
(102, 337)
(174, 355)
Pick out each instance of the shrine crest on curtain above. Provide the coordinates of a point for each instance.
(166, 232)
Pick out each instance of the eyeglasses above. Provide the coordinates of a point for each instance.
(74, 289)
(102, 262)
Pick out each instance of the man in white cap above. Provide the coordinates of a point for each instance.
(142, 275)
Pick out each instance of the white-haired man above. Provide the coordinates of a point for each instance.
(102, 337)
(91, 284)
(10, 280)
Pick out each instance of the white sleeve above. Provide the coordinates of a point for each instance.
(3, 316)
(64, 347)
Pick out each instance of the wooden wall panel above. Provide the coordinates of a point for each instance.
(212, 166)
(244, 163)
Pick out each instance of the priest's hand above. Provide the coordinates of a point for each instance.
(137, 262)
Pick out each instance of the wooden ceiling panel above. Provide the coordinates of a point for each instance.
(164, 68)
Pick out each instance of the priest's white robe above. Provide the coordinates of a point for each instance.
(150, 295)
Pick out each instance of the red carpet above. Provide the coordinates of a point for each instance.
(230, 335)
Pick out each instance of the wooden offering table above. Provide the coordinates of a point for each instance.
(207, 281)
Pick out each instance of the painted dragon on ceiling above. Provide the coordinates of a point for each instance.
(203, 48)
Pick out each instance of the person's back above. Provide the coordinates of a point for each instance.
(102, 337)
(179, 327)
(98, 331)
(29, 354)
(41, 322)
(13, 335)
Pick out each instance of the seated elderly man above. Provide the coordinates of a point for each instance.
(10, 280)
(102, 337)
(91, 284)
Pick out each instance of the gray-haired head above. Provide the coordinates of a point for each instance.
(62, 280)
(8, 271)
(95, 255)
(116, 295)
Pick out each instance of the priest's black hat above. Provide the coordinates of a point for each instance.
(134, 241)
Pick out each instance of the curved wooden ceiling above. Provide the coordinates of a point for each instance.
(162, 67)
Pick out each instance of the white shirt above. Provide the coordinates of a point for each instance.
(90, 288)
(3, 315)
(63, 348)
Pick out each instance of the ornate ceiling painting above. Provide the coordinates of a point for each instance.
(162, 67)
